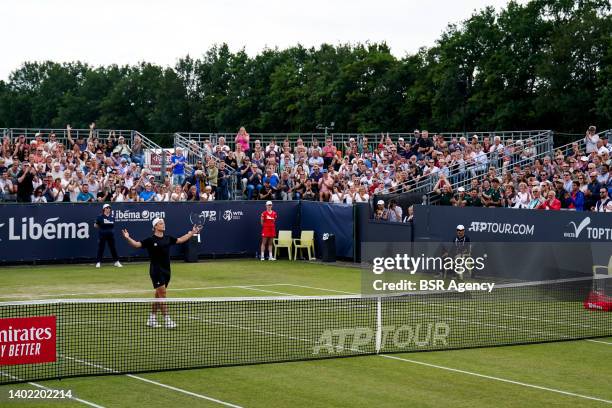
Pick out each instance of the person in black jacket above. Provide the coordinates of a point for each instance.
(105, 224)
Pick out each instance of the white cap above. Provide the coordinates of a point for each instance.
(460, 227)
(268, 202)
(156, 220)
(461, 189)
(105, 206)
(380, 202)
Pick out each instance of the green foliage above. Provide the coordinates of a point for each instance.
(544, 64)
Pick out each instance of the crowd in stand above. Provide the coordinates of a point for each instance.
(579, 180)
(502, 175)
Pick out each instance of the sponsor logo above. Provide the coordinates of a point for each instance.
(27, 340)
(502, 228)
(229, 215)
(51, 228)
(362, 339)
(137, 216)
(209, 215)
(577, 228)
(594, 233)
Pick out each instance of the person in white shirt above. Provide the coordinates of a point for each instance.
(497, 145)
(349, 196)
(163, 195)
(394, 212)
(178, 194)
(337, 196)
(523, 197)
(316, 159)
(207, 194)
(362, 196)
(590, 139)
(6, 186)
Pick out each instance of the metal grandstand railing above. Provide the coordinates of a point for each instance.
(195, 150)
(458, 177)
(152, 149)
(581, 144)
(341, 140)
(62, 133)
(156, 158)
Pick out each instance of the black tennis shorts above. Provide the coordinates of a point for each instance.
(159, 279)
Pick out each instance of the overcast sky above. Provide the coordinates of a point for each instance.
(161, 31)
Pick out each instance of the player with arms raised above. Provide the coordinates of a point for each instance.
(158, 246)
(268, 230)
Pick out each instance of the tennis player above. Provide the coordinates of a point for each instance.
(105, 224)
(158, 246)
(268, 231)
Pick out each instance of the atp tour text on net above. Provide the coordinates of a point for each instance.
(406, 264)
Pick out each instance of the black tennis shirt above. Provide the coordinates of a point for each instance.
(159, 252)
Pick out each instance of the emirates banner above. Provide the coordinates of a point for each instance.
(27, 340)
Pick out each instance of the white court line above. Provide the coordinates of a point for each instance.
(599, 341)
(82, 401)
(266, 291)
(539, 387)
(315, 288)
(489, 377)
(193, 394)
(118, 292)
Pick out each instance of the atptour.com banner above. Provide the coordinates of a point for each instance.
(460, 265)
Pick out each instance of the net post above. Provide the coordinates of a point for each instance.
(378, 324)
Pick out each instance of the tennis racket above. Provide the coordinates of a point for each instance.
(197, 220)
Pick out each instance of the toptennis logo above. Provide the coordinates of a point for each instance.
(593, 233)
(577, 228)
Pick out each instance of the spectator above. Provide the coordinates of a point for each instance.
(208, 194)
(25, 183)
(242, 140)
(147, 195)
(84, 195)
(602, 203)
(459, 199)
(254, 182)
(310, 194)
(590, 140)
(7, 189)
(576, 199)
(552, 203)
(394, 213)
(212, 174)
(178, 167)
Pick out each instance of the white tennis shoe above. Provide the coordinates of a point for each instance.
(152, 322)
(169, 323)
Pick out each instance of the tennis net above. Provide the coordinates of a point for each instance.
(64, 338)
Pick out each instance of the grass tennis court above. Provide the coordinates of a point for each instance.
(576, 373)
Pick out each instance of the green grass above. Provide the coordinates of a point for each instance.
(578, 367)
